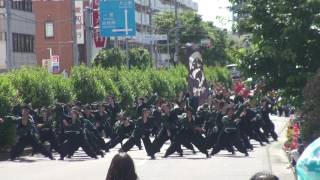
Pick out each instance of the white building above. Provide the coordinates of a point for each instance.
(22, 22)
(145, 11)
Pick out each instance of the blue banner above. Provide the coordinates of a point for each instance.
(117, 18)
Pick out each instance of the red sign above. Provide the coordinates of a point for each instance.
(98, 40)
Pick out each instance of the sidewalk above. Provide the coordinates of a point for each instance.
(278, 159)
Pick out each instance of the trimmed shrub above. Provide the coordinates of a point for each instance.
(34, 86)
(7, 134)
(86, 86)
(62, 88)
(110, 58)
(8, 98)
(218, 74)
(104, 76)
(140, 58)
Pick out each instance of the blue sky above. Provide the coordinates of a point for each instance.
(211, 9)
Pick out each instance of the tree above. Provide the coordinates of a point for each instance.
(285, 43)
(140, 58)
(311, 110)
(194, 29)
(110, 58)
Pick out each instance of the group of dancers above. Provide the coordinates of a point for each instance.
(226, 122)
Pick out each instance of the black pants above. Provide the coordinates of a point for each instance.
(49, 135)
(72, 144)
(18, 148)
(163, 137)
(134, 140)
(228, 139)
(107, 130)
(119, 139)
(268, 128)
(187, 137)
(246, 140)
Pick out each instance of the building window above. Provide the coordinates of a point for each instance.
(23, 43)
(1, 3)
(22, 5)
(49, 31)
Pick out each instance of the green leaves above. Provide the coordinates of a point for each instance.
(140, 58)
(311, 109)
(194, 29)
(86, 86)
(34, 86)
(116, 58)
(108, 58)
(284, 50)
(8, 96)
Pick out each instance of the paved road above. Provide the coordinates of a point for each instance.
(191, 167)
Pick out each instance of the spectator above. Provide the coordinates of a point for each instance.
(264, 176)
(121, 168)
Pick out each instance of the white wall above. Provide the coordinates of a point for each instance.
(3, 55)
(2, 41)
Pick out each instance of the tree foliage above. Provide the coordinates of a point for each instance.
(33, 85)
(311, 109)
(140, 58)
(285, 42)
(194, 29)
(8, 96)
(86, 86)
(108, 58)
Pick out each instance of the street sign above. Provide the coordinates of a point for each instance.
(117, 18)
(55, 64)
(151, 37)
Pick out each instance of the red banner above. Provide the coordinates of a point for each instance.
(98, 40)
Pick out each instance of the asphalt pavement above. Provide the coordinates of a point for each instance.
(222, 166)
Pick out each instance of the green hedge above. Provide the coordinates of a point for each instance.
(38, 87)
(86, 85)
(8, 98)
(218, 74)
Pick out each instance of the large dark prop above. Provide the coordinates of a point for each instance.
(197, 84)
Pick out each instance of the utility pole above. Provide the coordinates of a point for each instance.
(9, 61)
(152, 25)
(74, 34)
(176, 53)
(88, 29)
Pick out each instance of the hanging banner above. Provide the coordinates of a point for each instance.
(197, 84)
(79, 22)
(99, 41)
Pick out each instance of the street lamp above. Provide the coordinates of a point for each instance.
(50, 52)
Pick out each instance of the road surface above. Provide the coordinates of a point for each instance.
(223, 166)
